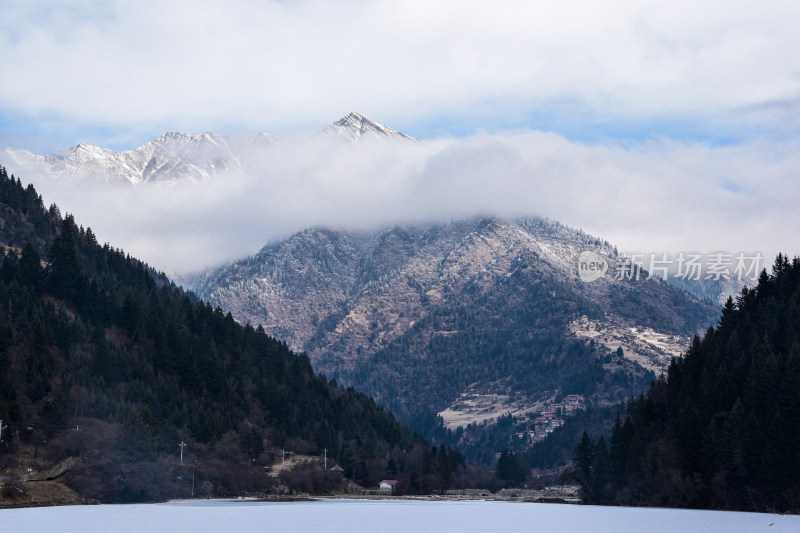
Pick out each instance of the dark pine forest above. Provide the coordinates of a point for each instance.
(722, 429)
(104, 359)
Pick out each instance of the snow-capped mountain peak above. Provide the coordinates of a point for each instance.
(174, 156)
(354, 126)
(171, 157)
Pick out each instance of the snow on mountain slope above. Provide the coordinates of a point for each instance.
(171, 157)
(174, 156)
(355, 126)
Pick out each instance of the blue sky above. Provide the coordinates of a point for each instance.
(119, 73)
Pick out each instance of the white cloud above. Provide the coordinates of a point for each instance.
(276, 65)
(727, 69)
(659, 196)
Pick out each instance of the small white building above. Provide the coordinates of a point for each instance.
(387, 485)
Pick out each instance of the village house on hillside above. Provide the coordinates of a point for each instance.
(387, 485)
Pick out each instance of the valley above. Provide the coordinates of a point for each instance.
(564, 267)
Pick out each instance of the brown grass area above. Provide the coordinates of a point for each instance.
(38, 494)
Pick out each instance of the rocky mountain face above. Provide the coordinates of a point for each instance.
(175, 156)
(471, 319)
(355, 126)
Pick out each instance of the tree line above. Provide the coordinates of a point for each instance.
(721, 429)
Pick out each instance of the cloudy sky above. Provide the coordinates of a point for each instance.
(660, 127)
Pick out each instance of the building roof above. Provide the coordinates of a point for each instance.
(389, 482)
(337, 468)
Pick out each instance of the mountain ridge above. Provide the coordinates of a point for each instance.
(176, 156)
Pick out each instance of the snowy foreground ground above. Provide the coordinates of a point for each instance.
(355, 516)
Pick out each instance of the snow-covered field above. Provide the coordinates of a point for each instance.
(354, 516)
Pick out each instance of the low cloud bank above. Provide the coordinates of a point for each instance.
(659, 196)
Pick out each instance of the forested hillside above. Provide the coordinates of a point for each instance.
(105, 360)
(722, 428)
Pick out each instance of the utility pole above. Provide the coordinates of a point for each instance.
(283, 457)
(326, 458)
(2, 427)
(182, 445)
